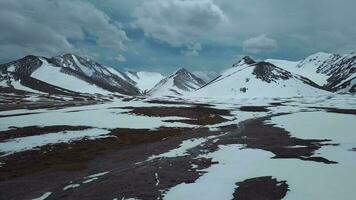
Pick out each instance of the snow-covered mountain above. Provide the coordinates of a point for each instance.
(207, 76)
(145, 80)
(332, 71)
(71, 74)
(65, 74)
(179, 83)
(250, 79)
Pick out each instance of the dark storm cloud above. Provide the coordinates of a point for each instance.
(49, 27)
(200, 34)
(312, 25)
(179, 22)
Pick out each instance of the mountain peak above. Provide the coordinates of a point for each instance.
(245, 60)
(181, 70)
(321, 53)
(269, 72)
(248, 60)
(178, 83)
(25, 65)
(71, 56)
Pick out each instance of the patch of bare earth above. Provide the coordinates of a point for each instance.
(178, 103)
(261, 188)
(16, 99)
(198, 115)
(257, 134)
(123, 155)
(254, 108)
(337, 110)
(74, 155)
(16, 132)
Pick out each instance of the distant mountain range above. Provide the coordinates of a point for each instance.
(70, 74)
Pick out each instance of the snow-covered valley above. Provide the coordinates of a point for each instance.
(206, 139)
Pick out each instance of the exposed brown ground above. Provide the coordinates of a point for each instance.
(36, 130)
(121, 156)
(254, 108)
(45, 105)
(261, 188)
(178, 103)
(15, 99)
(73, 156)
(257, 134)
(197, 115)
(337, 110)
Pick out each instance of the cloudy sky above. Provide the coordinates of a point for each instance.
(161, 35)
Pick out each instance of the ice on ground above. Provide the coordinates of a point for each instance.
(31, 142)
(90, 180)
(71, 186)
(157, 179)
(182, 150)
(44, 196)
(194, 166)
(97, 175)
(94, 177)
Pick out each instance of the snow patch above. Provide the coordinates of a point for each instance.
(44, 196)
(26, 143)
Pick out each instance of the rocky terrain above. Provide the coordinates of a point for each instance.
(177, 84)
(334, 72)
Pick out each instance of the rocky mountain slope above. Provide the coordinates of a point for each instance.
(65, 74)
(332, 71)
(179, 83)
(250, 79)
(144, 80)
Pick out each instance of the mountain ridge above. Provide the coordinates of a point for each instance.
(70, 74)
(258, 79)
(57, 71)
(176, 84)
(334, 72)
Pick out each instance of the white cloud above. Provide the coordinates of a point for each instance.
(192, 49)
(49, 27)
(260, 44)
(120, 58)
(179, 22)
